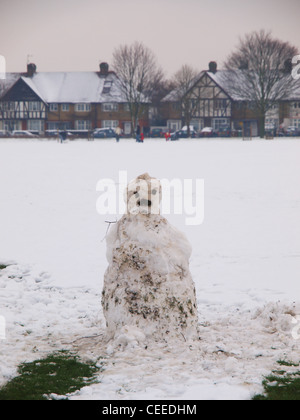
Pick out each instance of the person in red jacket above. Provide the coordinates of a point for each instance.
(142, 137)
(167, 135)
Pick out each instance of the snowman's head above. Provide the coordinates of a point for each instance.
(143, 195)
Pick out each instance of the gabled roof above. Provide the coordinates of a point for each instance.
(70, 87)
(178, 93)
(32, 86)
(224, 78)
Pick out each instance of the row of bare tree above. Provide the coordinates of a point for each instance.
(259, 70)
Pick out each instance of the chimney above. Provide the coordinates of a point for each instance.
(31, 69)
(104, 69)
(213, 66)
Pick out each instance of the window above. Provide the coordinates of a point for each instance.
(272, 122)
(7, 106)
(221, 123)
(198, 124)
(296, 123)
(297, 105)
(107, 86)
(174, 125)
(220, 103)
(83, 107)
(12, 125)
(34, 106)
(53, 108)
(82, 125)
(59, 125)
(110, 124)
(35, 125)
(65, 107)
(109, 107)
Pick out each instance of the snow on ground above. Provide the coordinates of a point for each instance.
(245, 262)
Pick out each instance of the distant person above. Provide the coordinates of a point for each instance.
(118, 134)
(63, 136)
(138, 134)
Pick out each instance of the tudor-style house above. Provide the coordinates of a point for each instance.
(78, 101)
(214, 104)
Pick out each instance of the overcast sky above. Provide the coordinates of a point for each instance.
(75, 35)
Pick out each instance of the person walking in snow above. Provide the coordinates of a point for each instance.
(118, 134)
(138, 131)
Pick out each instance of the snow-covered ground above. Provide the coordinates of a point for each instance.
(245, 262)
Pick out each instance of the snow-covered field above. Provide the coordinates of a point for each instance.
(245, 262)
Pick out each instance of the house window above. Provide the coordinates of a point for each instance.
(7, 106)
(272, 122)
(35, 125)
(107, 86)
(110, 124)
(297, 105)
(109, 107)
(12, 125)
(53, 107)
(65, 107)
(53, 125)
(296, 123)
(34, 106)
(83, 107)
(59, 125)
(174, 125)
(82, 125)
(198, 124)
(220, 103)
(221, 123)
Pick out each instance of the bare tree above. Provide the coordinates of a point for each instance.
(184, 79)
(260, 72)
(138, 74)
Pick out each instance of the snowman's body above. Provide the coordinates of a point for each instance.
(148, 289)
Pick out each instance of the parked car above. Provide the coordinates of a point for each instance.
(183, 133)
(104, 133)
(292, 131)
(270, 130)
(4, 134)
(156, 132)
(175, 135)
(207, 132)
(23, 134)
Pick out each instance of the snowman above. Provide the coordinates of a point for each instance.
(148, 293)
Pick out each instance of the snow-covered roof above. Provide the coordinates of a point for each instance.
(232, 83)
(73, 87)
(223, 80)
(178, 93)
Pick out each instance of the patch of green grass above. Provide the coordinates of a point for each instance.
(60, 373)
(281, 386)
